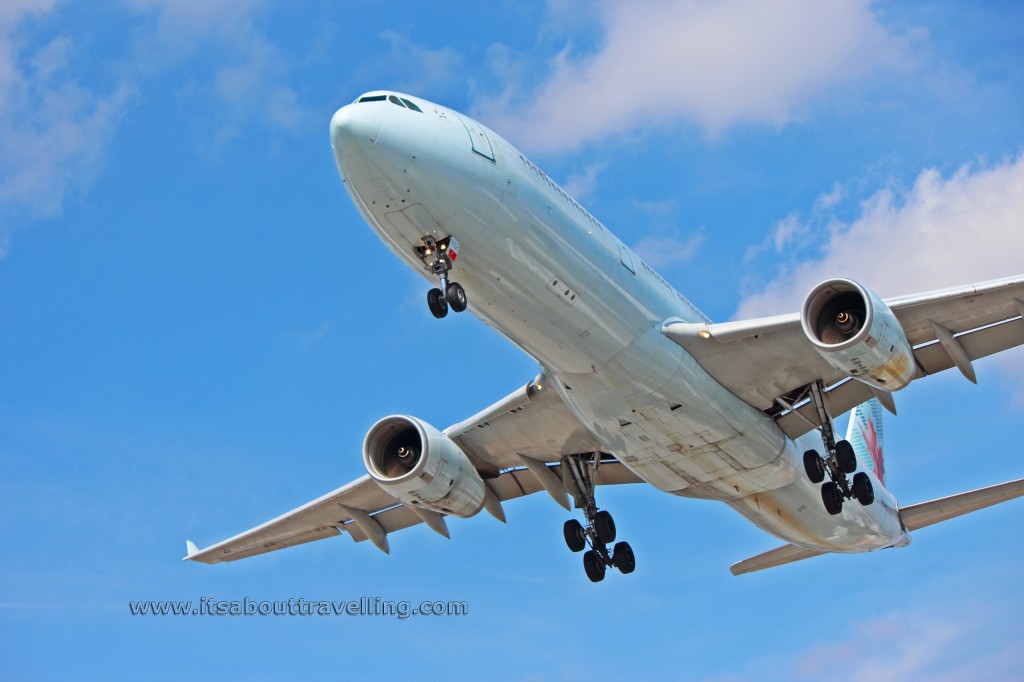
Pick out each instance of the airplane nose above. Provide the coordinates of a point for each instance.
(354, 123)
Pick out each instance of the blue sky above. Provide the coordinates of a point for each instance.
(197, 329)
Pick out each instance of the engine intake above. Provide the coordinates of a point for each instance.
(853, 329)
(422, 467)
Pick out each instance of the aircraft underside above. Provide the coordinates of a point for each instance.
(637, 385)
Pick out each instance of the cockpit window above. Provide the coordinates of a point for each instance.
(411, 105)
(397, 101)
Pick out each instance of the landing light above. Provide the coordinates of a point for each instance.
(705, 334)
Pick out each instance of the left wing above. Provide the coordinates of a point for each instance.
(510, 443)
(765, 361)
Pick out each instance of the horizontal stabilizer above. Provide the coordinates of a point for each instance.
(786, 554)
(927, 513)
(914, 517)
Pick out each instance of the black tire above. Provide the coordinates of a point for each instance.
(832, 499)
(437, 303)
(456, 297)
(593, 565)
(845, 457)
(862, 489)
(575, 536)
(623, 558)
(814, 465)
(604, 527)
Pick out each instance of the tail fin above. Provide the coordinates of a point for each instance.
(866, 436)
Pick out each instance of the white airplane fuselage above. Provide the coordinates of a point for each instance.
(553, 280)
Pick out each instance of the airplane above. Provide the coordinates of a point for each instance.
(637, 385)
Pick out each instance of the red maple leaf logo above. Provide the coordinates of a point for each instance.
(874, 449)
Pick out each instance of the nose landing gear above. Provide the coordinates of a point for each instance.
(437, 255)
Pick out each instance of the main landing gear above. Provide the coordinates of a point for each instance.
(437, 255)
(838, 461)
(599, 532)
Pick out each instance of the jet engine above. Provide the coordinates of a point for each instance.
(858, 334)
(422, 467)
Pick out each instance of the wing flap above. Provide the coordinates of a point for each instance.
(980, 343)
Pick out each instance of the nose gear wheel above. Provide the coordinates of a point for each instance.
(437, 256)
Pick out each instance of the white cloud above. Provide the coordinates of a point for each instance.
(715, 63)
(666, 246)
(898, 647)
(52, 130)
(582, 184)
(423, 69)
(973, 639)
(307, 338)
(669, 250)
(941, 232)
(251, 74)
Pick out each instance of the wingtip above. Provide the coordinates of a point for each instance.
(190, 550)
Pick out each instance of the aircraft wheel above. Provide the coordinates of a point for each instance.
(832, 498)
(814, 466)
(604, 526)
(593, 565)
(575, 537)
(845, 457)
(862, 489)
(456, 297)
(623, 558)
(437, 303)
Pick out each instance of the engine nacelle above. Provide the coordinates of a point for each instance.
(422, 467)
(857, 333)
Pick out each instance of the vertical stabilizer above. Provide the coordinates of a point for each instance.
(866, 436)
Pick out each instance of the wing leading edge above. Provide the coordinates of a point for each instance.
(511, 443)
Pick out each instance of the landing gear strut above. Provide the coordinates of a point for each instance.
(578, 475)
(839, 460)
(437, 255)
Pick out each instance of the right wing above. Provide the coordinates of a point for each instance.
(510, 443)
(766, 362)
